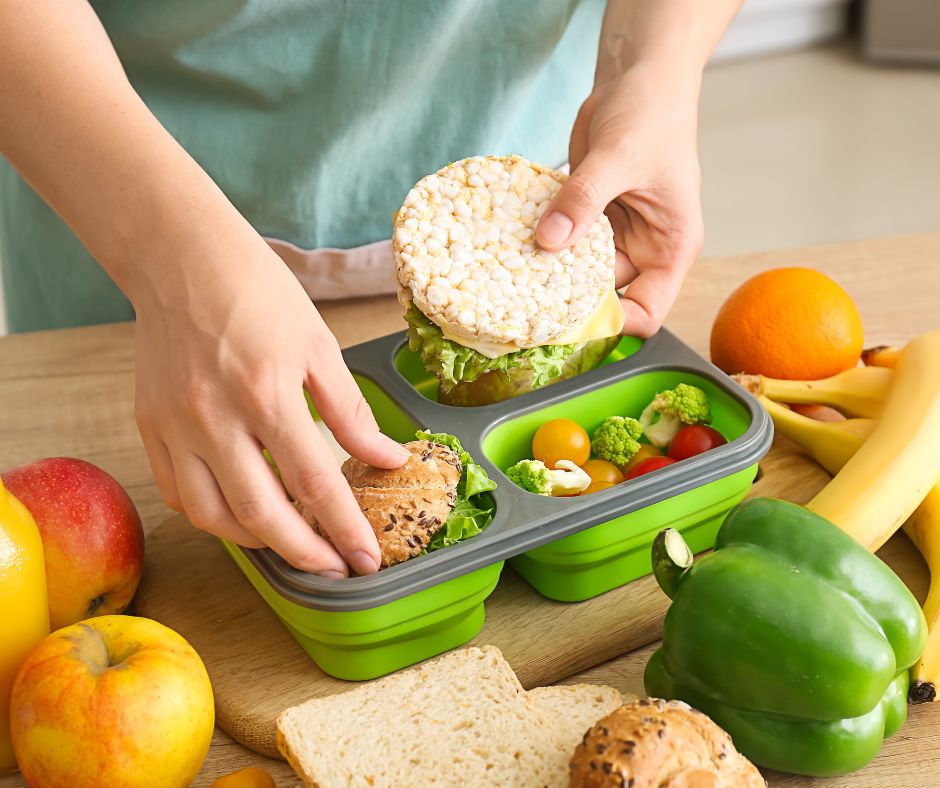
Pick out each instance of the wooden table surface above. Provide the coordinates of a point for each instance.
(70, 393)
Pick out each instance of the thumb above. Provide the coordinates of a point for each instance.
(581, 199)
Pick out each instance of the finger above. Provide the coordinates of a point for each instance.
(648, 299)
(314, 478)
(162, 467)
(624, 270)
(258, 502)
(345, 411)
(581, 199)
(204, 505)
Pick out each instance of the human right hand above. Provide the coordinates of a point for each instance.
(222, 363)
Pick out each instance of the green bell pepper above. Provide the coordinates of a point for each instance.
(790, 635)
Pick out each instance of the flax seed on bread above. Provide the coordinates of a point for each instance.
(405, 506)
(655, 743)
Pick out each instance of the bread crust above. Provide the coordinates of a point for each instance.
(405, 506)
(652, 743)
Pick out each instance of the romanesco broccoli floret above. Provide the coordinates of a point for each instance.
(536, 477)
(617, 439)
(669, 410)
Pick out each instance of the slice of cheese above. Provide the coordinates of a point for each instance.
(606, 321)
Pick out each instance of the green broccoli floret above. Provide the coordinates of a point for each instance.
(669, 410)
(617, 439)
(538, 478)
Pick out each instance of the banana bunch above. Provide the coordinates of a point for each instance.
(883, 457)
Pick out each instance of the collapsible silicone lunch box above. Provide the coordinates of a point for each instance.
(568, 549)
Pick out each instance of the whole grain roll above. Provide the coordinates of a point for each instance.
(405, 506)
(659, 744)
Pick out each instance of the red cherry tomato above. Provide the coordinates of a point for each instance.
(644, 453)
(693, 440)
(649, 464)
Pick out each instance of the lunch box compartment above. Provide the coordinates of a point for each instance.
(365, 644)
(411, 368)
(607, 556)
(569, 549)
(615, 552)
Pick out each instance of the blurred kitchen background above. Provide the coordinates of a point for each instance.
(820, 122)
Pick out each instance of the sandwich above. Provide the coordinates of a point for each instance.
(490, 313)
(436, 499)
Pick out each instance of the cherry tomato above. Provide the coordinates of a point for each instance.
(649, 464)
(561, 439)
(596, 486)
(645, 451)
(693, 440)
(602, 471)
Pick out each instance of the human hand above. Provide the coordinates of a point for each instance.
(223, 358)
(633, 156)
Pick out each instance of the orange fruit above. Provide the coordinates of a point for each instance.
(792, 323)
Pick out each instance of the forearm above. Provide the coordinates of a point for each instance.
(680, 34)
(78, 133)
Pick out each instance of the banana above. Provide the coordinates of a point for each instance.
(923, 529)
(832, 445)
(887, 478)
(859, 391)
(881, 356)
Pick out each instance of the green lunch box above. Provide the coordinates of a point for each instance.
(568, 549)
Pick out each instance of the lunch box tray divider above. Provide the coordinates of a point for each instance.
(567, 548)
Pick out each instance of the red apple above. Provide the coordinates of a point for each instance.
(91, 536)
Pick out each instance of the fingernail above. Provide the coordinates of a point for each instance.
(361, 562)
(332, 574)
(555, 229)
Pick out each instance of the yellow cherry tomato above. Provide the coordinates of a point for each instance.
(251, 777)
(646, 451)
(561, 439)
(602, 471)
(597, 486)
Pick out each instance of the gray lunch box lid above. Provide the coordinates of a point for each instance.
(523, 521)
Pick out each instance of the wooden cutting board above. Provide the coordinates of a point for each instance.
(258, 670)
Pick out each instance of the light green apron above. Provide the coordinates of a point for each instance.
(315, 117)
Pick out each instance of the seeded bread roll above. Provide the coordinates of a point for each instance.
(405, 506)
(660, 744)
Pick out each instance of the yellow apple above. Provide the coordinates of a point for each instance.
(114, 701)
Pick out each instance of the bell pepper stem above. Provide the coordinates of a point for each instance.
(671, 560)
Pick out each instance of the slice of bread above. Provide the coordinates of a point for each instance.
(461, 720)
(573, 709)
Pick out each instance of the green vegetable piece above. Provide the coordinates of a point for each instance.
(538, 478)
(454, 363)
(474, 509)
(669, 410)
(792, 636)
(617, 439)
(468, 378)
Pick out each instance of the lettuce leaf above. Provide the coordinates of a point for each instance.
(473, 510)
(453, 363)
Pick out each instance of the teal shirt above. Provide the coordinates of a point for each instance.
(315, 117)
